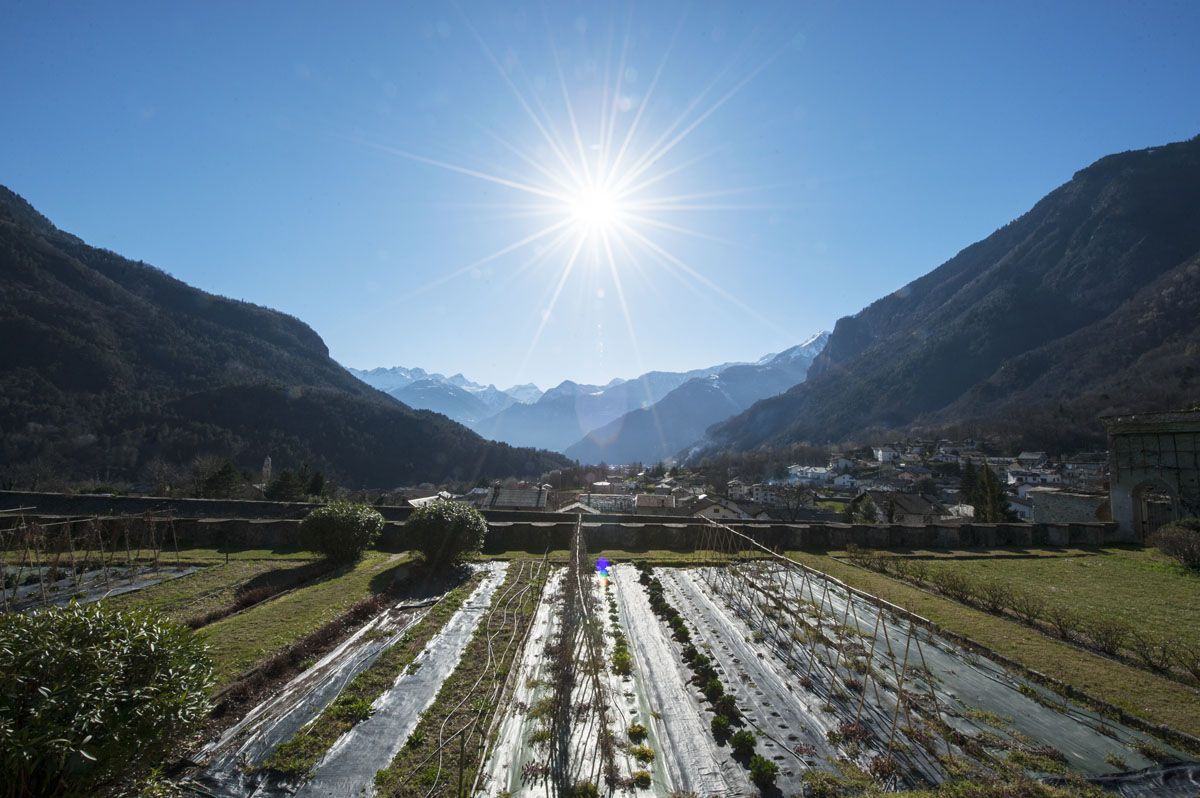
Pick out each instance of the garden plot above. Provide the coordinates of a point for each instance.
(905, 704)
(445, 752)
(792, 729)
(578, 713)
(41, 586)
(349, 767)
(689, 755)
(230, 764)
(513, 752)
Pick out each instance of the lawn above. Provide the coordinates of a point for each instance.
(215, 586)
(1138, 587)
(1139, 692)
(241, 640)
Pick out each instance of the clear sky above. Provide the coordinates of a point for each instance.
(812, 157)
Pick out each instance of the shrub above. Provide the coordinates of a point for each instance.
(1154, 652)
(341, 530)
(1106, 634)
(583, 789)
(1027, 605)
(918, 571)
(622, 662)
(713, 689)
(953, 584)
(92, 691)
(763, 771)
(1188, 658)
(742, 742)
(637, 733)
(726, 705)
(641, 779)
(720, 727)
(993, 595)
(1180, 541)
(445, 532)
(1064, 620)
(642, 753)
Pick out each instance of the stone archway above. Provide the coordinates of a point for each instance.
(1153, 506)
(1154, 470)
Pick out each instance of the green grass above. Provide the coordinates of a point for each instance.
(241, 640)
(1138, 587)
(1138, 692)
(297, 756)
(204, 591)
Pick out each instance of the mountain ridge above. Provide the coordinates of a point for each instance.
(679, 419)
(112, 366)
(1010, 335)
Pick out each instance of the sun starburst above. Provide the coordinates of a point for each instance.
(602, 177)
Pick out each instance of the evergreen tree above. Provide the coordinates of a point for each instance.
(224, 483)
(991, 502)
(287, 487)
(968, 483)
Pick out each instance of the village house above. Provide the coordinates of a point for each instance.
(809, 475)
(653, 501)
(499, 498)
(737, 489)
(886, 454)
(716, 508)
(896, 507)
(840, 463)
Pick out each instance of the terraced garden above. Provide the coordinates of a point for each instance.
(729, 670)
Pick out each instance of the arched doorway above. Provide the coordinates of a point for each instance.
(1153, 506)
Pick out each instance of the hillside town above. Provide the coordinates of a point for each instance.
(904, 482)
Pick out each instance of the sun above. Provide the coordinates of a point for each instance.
(595, 209)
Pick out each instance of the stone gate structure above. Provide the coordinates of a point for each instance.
(1154, 470)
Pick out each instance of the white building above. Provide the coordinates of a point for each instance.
(886, 454)
(809, 475)
(840, 463)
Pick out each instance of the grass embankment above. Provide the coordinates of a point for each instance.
(1137, 587)
(1146, 695)
(464, 704)
(241, 640)
(297, 756)
(215, 588)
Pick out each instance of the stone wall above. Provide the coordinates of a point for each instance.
(274, 525)
(538, 536)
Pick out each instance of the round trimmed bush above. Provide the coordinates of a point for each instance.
(341, 530)
(89, 697)
(445, 532)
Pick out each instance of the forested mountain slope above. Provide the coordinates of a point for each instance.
(109, 365)
(1087, 304)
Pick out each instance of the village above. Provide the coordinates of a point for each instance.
(907, 482)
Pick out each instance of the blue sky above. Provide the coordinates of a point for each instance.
(283, 154)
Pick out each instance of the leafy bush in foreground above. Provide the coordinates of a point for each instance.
(1180, 541)
(445, 532)
(85, 693)
(341, 530)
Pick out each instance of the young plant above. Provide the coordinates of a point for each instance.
(763, 771)
(742, 743)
